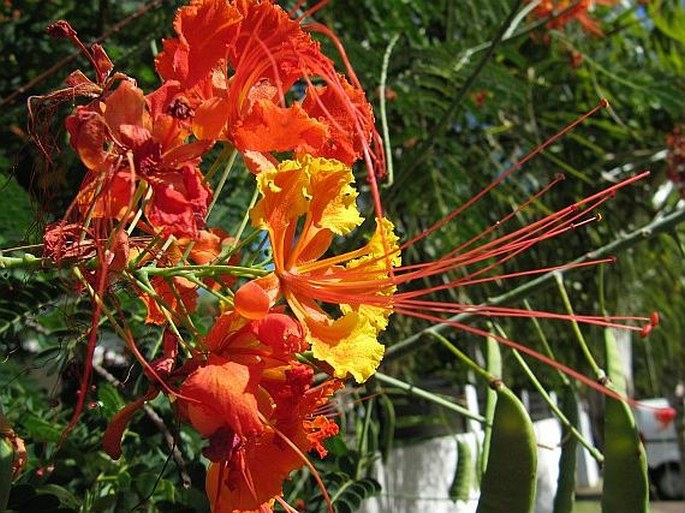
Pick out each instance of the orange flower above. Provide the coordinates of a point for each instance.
(237, 90)
(317, 194)
(253, 401)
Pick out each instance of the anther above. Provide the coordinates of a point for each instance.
(646, 330)
(654, 318)
(180, 109)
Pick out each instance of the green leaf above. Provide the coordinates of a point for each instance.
(668, 19)
(16, 214)
(66, 498)
(41, 430)
(110, 398)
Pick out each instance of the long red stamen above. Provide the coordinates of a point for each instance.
(572, 373)
(508, 172)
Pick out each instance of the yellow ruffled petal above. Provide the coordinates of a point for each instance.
(284, 196)
(348, 344)
(334, 200)
(321, 188)
(381, 249)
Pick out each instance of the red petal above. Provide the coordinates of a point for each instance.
(111, 441)
(348, 116)
(282, 333)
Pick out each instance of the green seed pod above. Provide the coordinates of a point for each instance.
(460, 490)
(626, 487)
(493, 358)
(6, 457)
(566, 483)
(509, 481)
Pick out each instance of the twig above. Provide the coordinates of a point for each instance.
(159, 424)
(60, 64)
(420, 392)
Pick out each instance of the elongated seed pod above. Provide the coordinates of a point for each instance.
(626, 487)
(509, 481)
(460, 490)
(566, 482)
(6, 456)
(493, 361)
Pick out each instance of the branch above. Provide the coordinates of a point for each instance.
(60, 64)
(159, 424)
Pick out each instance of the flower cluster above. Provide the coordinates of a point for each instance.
(561, 12)
(244, 75)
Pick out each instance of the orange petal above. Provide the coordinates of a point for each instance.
(269, 127)
(258, 162)
(87, 130)
(205, 29)
(252, 301)
(111, 441)
(210, 119)
(125, 106)
(225, 397)
(266, 462)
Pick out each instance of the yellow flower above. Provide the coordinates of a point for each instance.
(304, 204)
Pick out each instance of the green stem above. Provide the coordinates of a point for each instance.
(225, 152)
(226, 254)
(546, 347)
(142, 282)
(555, 409)
(204, 270)
(383, 111)
(425, 394)
(224, 176)
(596, 369)
(463, 357)
(363, 438)
(26, 262)
(224, 299)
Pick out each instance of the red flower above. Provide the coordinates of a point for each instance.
(570, 10)
(120, 141)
